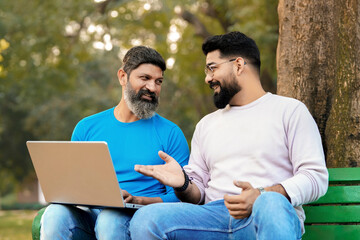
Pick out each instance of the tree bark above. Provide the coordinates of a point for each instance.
(317, 56)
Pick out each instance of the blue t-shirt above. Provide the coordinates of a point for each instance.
(136, 143)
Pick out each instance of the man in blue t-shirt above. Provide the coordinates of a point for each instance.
(134, 134)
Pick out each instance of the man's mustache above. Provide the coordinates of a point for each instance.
(214, 84)
(148, 93)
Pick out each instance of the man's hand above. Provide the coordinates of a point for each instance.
(240, 206)
(169, 174)
(128, 198)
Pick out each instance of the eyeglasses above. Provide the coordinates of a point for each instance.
(211, 68)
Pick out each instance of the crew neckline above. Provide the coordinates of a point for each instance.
(252, 104)
(112, 113)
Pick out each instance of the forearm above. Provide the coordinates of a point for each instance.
(279, 189)
(187, 191)
(146, 200)
(191, 194)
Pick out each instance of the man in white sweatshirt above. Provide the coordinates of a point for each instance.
(253, 162)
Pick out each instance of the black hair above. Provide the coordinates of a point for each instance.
(140, 55)
(234, 44)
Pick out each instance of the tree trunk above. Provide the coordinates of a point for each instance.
(317, 56)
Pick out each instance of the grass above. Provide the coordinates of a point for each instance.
(16, 224)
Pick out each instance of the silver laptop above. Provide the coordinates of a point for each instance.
(79, 173)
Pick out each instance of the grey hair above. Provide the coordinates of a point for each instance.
(140, 55)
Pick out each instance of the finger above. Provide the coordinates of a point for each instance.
(235, 207)
(124, 193)
(150, 171)
(147, 170)
(238, 211)
(126, 196)
(243, 185)
(239, 214)
(235, 199)
(164, 156)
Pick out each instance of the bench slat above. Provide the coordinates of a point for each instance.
(332, 214)
(335, 220)
(340, 194)
(344, 175)
(331, 232)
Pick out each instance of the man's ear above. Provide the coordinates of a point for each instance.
(122, 76)
(240, 64)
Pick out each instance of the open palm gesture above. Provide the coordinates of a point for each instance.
(169, 174)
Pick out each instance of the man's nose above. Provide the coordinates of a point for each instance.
(208, 77)
(151, 86)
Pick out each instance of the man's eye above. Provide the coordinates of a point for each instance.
(211, 68)
(159, 82)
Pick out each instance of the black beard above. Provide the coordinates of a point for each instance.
(227, 92)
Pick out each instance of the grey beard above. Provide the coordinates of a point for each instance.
(141, 108)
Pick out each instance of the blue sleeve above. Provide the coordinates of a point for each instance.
(177, 148)
(78, 133)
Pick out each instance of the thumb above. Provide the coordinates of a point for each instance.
(164, 156)
(243, 185)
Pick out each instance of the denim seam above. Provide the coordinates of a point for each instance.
(230, 223)
(196, 229)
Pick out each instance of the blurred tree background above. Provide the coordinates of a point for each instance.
(59, 58)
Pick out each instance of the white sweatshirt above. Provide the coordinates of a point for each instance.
(273, 140)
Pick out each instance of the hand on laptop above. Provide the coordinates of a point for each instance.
(169, 173)
(128, 198)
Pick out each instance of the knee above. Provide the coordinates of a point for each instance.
(145, 223)
(273, 211)
(144, 217)
(112, 224)
(56, 214)
(272, 206)
(56, 218)
(271, 201)
(108, 221)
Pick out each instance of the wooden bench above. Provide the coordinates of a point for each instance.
(336, 215)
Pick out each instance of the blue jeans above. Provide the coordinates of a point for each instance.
(272, 217)
(70, 222)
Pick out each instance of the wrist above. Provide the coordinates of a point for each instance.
(137, 200)
(185, 185)
(261, 190)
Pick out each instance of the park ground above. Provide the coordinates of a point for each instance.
(16, 224)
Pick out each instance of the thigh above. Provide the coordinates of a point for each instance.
(183, 221)
(68, 222)
(113, 224)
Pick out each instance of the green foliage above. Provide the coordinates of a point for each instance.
(62, 59)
